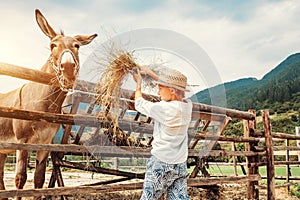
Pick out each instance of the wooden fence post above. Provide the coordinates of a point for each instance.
(249, 127)
(234, 158)
(297, 129)
(270, 155)
(287, 168)
(116, 163)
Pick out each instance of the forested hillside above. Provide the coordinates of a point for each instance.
(278, 90)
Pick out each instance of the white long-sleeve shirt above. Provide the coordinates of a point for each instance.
(171, 122)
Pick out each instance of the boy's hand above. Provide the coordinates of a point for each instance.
(137, 77)
(143, 70)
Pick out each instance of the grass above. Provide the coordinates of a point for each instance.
(229, 170)
(281, 171)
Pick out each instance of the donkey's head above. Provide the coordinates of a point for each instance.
(64, 58)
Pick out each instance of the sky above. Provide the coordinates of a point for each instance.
(241, 38)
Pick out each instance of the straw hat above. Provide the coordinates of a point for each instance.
(172, 78)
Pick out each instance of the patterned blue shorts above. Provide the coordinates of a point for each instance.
(161, 177)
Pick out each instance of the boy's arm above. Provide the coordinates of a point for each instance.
(138, 79)
(146, 70)
(138, 92)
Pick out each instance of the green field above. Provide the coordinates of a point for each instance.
(229, 170)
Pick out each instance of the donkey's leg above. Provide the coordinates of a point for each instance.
(21, 167)
(2, 164)
(40, 168)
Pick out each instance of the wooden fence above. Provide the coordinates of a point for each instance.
(204, 116)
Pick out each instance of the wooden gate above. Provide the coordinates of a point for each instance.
(208, 124)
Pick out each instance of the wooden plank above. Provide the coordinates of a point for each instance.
(73, 119)
(285, 148)
(56, 173)
(39, 76)
(209, 136)
(282, 163)
(114, 188)
(274, 140)
(115, 180)
(194, 129)
(285, 136)
(249, 127)
(208, 116)
(255, 159)
(297, 130)
(287, 167)
(195, 153)
(225, 111)
(68, 128)
(276, 135)
(264, 187)
(27, 74)
(103, 150)
(120, 151)
(270, 155)
(283, 178)
(279, 150)
(73, 165)
(81, 129)
(70, 190)
(48, 117)
(282, 153)
(233, 148)
(197, 182)
(198, 108)
(239, 159)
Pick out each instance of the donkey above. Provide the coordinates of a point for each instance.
(64, 63)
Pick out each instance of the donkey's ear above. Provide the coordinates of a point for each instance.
(85, 39)
(43, 24)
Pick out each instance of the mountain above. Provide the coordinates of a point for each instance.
(283, 65)
(278, 90)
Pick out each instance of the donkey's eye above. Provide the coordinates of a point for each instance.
(52, 46)
(76, 46)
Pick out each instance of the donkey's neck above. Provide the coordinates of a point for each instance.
(43, 97)
(47, 67)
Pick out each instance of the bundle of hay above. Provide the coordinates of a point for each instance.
(118, 65)
(109, 92)
(109, 86)
(108, 89)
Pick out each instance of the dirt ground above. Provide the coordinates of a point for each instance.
(224, 192)
(237, 192)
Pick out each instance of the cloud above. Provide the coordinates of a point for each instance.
(243, 38)
(248, 47)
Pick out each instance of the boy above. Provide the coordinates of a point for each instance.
(166, 169)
